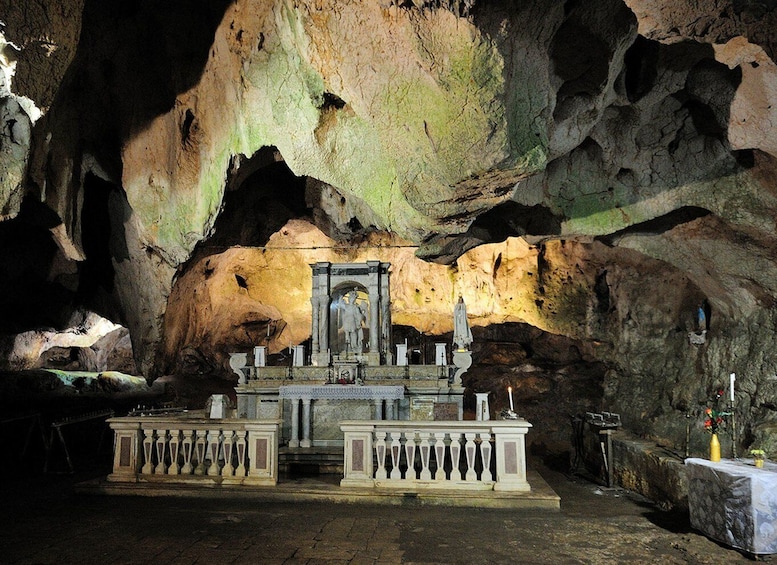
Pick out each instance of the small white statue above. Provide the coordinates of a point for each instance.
(462, 335)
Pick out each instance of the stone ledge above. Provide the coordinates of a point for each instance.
(650, 470)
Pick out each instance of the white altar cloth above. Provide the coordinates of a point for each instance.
(342, 392)
(734, 502)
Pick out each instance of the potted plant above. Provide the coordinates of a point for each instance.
(758, 457)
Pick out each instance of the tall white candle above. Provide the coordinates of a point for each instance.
(510, 394)
(733, 377)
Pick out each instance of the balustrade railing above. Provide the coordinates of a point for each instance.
(188, 449)
(440, 454)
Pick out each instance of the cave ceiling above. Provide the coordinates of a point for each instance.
(140, 137)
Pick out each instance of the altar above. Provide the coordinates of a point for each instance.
(734, 502)
(381, 399)
(351, 371)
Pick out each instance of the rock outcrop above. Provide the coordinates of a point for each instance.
(595, 170)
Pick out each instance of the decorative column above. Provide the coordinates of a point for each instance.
(319, 302)
(294, 439)
(373, 288)
(305, 423)
(314, 330)
(391, 409)
(378, 403)
(385, 315)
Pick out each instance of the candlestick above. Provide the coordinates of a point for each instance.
(733, 377)
(510, 394)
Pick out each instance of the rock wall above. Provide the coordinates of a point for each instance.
(594, 170)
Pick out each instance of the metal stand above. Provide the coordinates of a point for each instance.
(57, 427)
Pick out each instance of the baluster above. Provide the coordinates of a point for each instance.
(175, 439)
(214, 444)
(439, 455)
(410, 456)
(161, 440)
(381, 445)
(240, 471)
(485, 454)
(227, 444)
(425, 449)
(470, 448)
(148, 441)
(455, 447)
(396, 449)
(188, 450)
(199, 452)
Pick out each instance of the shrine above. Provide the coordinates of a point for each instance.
(353, 371)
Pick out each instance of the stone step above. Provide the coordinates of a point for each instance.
(310, 461)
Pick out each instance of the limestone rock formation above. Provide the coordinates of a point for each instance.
(595, 170)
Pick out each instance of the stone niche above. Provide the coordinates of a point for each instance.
(351, 320)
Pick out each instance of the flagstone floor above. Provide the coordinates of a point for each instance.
(44, 521)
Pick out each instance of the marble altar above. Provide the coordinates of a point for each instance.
(352, 372)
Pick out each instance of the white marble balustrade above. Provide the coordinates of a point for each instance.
(192, 449)
(483, 455)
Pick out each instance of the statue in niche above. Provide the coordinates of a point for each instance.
(462, 335)
(352, 315)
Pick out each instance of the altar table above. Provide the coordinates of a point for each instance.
(307, 393)
(734, 502)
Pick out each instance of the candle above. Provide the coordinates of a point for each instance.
(733, 377)
(268, 330)
(510, 394)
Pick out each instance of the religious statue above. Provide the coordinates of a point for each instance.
(462, 335)
(352, 314)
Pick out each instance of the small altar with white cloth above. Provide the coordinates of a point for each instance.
(734, 502)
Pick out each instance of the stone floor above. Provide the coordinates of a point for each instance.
(44, 521)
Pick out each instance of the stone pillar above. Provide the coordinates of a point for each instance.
(482, 411)
(378, 408)
(401, 354)
(305, 423)
(323, 320)
(440, 354)
(294, 440)
(511, 455)
(385, 317)
(373, 289)
(299, 356)
(391, 409)
(314, 330)
(260, 356)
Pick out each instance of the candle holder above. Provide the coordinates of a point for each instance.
(733, 430)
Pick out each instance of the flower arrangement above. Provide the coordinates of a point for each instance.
(758, 454)
(715, 419)
(758, 457)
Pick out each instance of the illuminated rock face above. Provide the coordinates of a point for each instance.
(593, 170)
